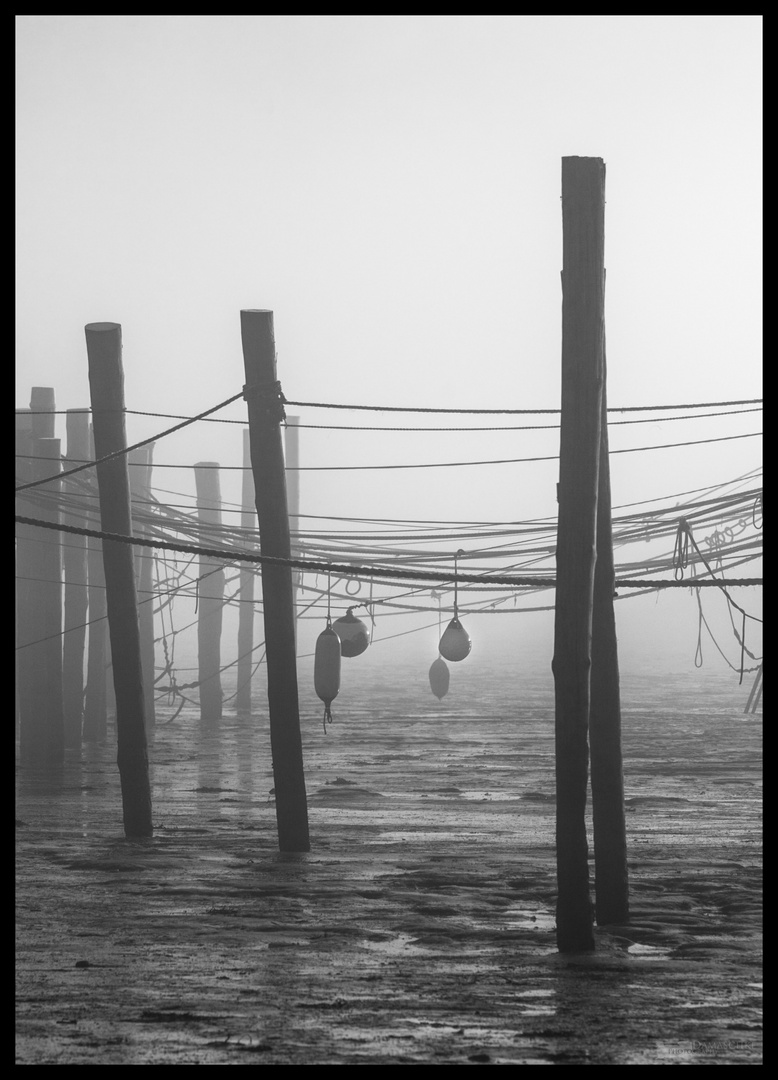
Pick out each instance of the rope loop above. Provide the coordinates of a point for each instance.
(681, 550)
(327, 716)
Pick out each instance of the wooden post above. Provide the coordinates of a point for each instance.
(75, 566)
(96, 697)
(210, 592)
(140, 461)
(292, 446)
(265, 411)
(611, 878)
(42, 732)
(248, 523)
(25, 566)
(42, 406)
(583, 321)
(106, 382)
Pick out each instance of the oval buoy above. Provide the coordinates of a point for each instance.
(326, 670)
(455, 643)
(353, 633)
(439, 678)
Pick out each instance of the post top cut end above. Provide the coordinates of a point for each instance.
(102, 327)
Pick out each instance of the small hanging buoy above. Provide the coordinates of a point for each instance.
(326, 670)
(353, 633)
(439, 678)
(455, 643)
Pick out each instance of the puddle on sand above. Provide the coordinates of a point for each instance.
(402, 945)
(649, 952)
(539, 1003)
(529, 919)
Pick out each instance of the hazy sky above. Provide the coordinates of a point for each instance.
(390, 187)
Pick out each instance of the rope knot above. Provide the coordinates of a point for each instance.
(269, 399)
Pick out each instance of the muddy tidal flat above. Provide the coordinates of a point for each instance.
(419, 929)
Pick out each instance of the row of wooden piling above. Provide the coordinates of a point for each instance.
(585, 656)
(76, 563)
(109, 586)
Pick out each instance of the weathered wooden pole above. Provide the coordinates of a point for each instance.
(248, 520)
(95, 725)
(106, 383)
(75, 566)
(583, 328)
(611, 879)
(41, 738)
(140, 461)
(25, 569)
(292, 447)
(42, 408)
(42, 732)
(210, 591)
(265, 410)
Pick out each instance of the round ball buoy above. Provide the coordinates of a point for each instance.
(353, 633)
(326, 670)
(439, 678)
(455, 643)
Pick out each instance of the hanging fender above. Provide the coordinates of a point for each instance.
(455, 643)
(353, 633)
(326, 670)
(439, 678)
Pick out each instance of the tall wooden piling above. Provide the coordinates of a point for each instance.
(265, 410)
(95, 725)
(25, 565)
(106, 382)
(41, 733)
(140, 462)
(210, 592)
(583, 328)
(611, 881)
(42, 412)
(248, 523)
(292, 448)
(76, 580)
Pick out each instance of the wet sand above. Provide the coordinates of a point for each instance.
(420, 927)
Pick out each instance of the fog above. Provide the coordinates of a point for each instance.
(389, 186)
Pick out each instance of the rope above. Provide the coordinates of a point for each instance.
(327, 716)
(398, 408)
(514, 412)
(128, 449)
(416, 465)
(708, 567)
(370, 427)
(347, 570)
(698, 653)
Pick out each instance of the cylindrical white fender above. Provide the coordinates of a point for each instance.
(326, 666)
